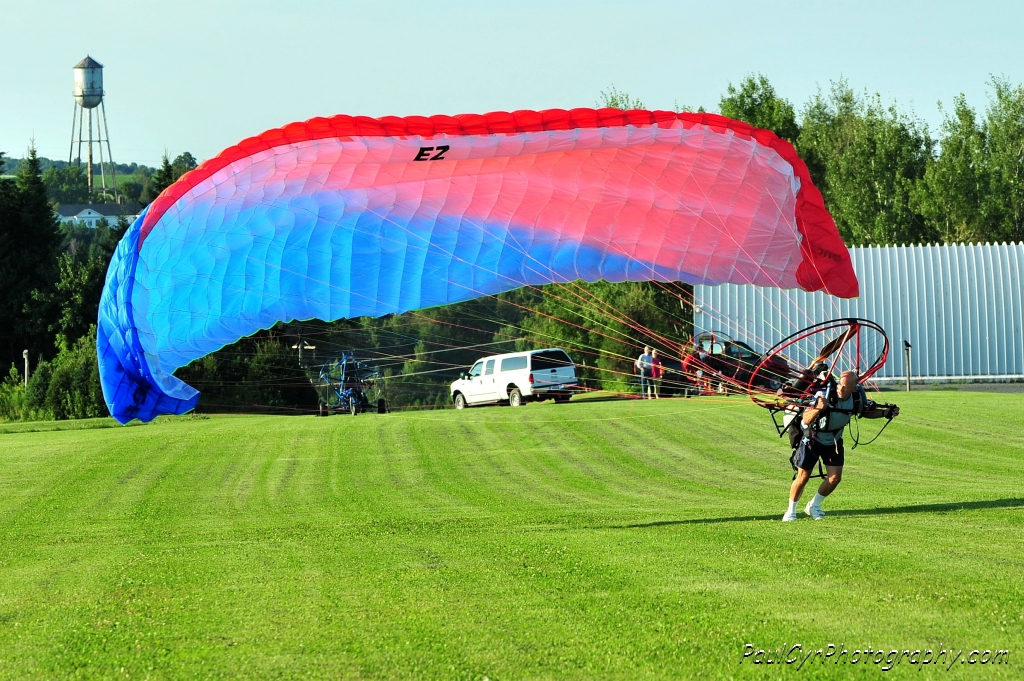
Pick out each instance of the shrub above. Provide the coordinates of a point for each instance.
(38, 383)
(74, 387)
(13, 405)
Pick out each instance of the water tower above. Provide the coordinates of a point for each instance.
(88, 96)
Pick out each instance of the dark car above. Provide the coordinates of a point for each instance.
(675, 382)
(716, 362)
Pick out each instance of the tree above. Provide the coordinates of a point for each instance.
(82, 270)
(66, 185)
(953, 192)
(162, 179)
(258, 371)
(29, 234)
(1004, 138)
(603, 324)
(756, 102)
(10, 303)
(166, 175)
(184, 163)
(973, 190)
(132, 190)
(617, 99)
(138, 187)
(866, 159)
(38, 218)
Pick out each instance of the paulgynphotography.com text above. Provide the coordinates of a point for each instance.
(799, 656)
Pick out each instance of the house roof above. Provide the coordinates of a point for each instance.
(88, 63)
(108, 210)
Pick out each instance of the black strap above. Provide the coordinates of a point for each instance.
(856, 436)
(831, 397)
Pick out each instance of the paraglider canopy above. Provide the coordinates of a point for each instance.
(350, 216)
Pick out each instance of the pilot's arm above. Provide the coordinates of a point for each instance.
(880, 411)
(811, 414)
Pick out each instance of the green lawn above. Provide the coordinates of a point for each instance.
(592, 540)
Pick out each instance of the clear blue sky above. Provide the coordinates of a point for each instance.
(201, 75)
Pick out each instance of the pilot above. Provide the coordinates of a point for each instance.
(822, 426)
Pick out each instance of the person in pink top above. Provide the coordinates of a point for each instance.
(657, 372)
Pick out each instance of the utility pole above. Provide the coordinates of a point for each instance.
(906, 349)
(303, 345)
(24, 353)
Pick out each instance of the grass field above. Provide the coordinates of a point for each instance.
(623, 540)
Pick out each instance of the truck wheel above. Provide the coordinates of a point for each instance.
(561, 399)
(515, 398)
(460, 401)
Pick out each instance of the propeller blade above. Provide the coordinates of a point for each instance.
(835, 344)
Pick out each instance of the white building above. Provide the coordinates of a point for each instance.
(89, 214)
(960, 306)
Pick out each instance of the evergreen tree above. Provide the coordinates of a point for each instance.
(162, 179)
(10, 221)
(31, 241)
(38, 219)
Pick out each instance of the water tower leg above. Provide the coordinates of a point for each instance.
(81, 116)
(90, 155)
(103, 172)
(110, 154)
(71, 151)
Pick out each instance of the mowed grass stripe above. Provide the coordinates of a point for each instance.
(592, 540)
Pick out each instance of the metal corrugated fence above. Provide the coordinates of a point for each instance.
(960, 307)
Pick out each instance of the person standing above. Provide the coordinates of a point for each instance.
(694, 365)
(657, 373)
(822, 426)
(643, 365)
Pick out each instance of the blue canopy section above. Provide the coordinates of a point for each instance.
(130, 387)
(200, 282)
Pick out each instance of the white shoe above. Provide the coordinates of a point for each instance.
(789, 517)
(814, 511)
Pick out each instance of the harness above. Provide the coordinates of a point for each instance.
(792, 420)
(860, 403)
(797, 436)
(831, 400)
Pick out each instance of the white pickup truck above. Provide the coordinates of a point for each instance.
(516, 378)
